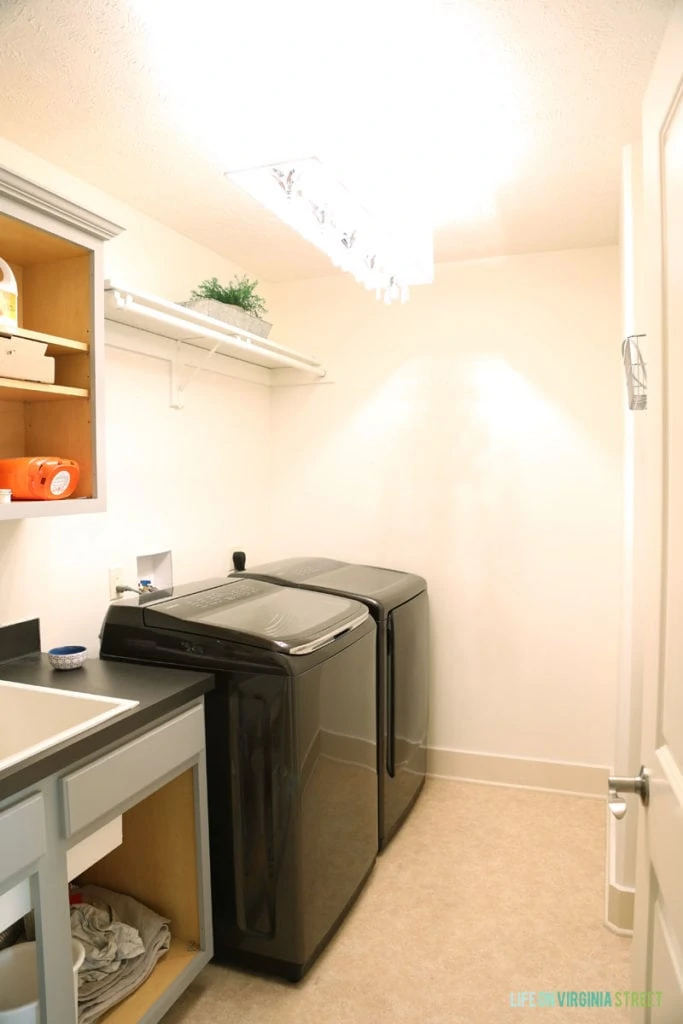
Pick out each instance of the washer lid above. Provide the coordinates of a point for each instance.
(258, 614)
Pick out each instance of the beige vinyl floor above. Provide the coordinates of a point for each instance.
(484, 892)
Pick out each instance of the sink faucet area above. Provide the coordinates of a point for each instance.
(34, 718)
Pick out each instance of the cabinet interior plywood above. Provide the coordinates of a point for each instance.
(57, 297)
(133, 1009)
(157, 861)
(73, 370)
(64, 429)
(22, 243)
(12, 430)
(35, 391)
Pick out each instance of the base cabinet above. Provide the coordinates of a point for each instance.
(157, 843)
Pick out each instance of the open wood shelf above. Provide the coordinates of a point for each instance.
(33, 391)
(55, 346)
(164, 974)
(157, 864)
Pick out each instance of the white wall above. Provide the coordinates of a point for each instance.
(193, 480)
(474, 436)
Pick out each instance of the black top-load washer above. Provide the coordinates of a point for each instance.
(291, 753)
(398, 603)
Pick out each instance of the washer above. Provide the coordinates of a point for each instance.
(398, 602)
(291, 753)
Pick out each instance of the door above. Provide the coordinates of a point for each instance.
(658, 939)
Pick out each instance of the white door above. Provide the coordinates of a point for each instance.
(658, 938)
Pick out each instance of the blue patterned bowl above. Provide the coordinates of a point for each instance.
(67, 657)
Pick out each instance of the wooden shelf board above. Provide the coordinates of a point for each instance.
(55, 346)
(32, 391)
(164, 974)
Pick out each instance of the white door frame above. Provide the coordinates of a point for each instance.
(665, 85)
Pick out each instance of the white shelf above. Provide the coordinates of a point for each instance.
(186, 327)
(38, 509)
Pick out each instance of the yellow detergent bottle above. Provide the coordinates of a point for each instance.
(8, 297)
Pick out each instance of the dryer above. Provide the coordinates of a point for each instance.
(291, 753)
(398, 602)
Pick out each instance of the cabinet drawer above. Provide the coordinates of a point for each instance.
(105, 784)
(22, 836)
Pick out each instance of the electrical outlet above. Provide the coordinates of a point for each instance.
(115, 580)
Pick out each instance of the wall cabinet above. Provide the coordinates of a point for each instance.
(156, 784)
(55, 250)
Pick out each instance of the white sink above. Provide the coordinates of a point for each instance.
(35, 718)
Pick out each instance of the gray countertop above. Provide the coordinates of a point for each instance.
(158, 691)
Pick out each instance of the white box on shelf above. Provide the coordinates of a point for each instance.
(21, 359)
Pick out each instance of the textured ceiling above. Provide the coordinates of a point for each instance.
(516, 110)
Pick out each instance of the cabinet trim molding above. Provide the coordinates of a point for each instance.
(35, 197)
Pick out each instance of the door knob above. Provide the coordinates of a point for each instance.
(618, 785)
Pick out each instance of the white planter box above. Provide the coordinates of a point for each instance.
(227, 314)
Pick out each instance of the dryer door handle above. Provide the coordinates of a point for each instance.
(391, 700)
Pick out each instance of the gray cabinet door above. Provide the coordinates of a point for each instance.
(22, 838)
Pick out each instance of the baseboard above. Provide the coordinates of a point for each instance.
(619, 911)
(519, 772)
(619, 899)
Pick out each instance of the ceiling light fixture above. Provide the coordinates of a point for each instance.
(308, 197)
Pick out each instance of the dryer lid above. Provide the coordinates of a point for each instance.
(386, 588)
(258, 614)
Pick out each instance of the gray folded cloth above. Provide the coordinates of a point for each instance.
(107, 941)
(99, 989)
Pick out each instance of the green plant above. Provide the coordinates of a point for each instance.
(239, 292)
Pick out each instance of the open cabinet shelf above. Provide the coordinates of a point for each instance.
(157, 864)
(56, 346)
(170, 967)
(33, 391)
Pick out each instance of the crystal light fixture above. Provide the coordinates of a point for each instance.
(305, 195)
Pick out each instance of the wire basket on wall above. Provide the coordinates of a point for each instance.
(636, 374)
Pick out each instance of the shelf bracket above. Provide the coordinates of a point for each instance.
(178, 385)
(176, 388)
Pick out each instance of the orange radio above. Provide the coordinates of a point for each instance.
(44, 477)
